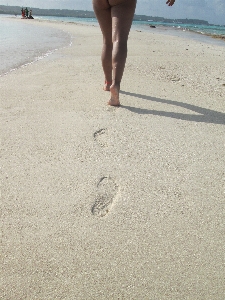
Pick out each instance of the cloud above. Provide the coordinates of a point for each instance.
(219, 7)
(212, 11)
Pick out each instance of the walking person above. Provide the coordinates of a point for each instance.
(23, 13)
(115, 19)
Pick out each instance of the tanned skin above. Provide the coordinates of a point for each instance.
(115, 19)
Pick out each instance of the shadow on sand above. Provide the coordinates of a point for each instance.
(205, 115)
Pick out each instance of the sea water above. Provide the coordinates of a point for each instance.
(211, 34)
(207, 30)
(22, 43)
(202, 33)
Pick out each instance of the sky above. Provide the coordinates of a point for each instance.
(212, 11)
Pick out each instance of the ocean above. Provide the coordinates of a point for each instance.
(21, 44)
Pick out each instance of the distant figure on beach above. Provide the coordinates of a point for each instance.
(26, 14)
(30, 14)
(115, 19)
(23, 13)
(26, 11)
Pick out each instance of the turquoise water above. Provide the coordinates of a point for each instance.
(194, 32)
(201, 29)
(22, 42)
(207, 34)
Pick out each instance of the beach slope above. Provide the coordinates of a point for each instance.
(114, 203)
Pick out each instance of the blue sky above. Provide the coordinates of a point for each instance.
(212, 11)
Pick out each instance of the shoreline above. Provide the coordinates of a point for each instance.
(114, 203)
(23, 54)
(189, 35)
(158, 26)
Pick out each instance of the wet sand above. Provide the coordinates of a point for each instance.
(101, 202)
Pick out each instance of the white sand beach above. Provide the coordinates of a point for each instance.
(114, 203)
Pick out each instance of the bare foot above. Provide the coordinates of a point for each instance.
(114, 101)
(107, 85)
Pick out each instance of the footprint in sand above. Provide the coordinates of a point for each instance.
(100, 137)
(107, 191)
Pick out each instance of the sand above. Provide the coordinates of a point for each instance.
(114, 203)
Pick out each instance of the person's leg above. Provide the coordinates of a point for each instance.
(122, 16)
(103, 14)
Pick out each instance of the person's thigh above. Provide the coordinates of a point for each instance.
(122, 15)
(102, 11)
